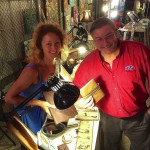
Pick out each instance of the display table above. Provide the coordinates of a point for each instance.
(79, 134)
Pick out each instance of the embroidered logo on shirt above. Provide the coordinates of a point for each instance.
(129, 68)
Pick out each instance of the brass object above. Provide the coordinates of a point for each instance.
(22, 133)
(82, 130)
(83, 146)
(67, 140)
(85, 136)
(92, 89)
(89, 114)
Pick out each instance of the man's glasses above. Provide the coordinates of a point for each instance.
(107, 37)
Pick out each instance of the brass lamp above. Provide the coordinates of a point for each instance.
(87, 17)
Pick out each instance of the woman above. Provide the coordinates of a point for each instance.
(47, 41)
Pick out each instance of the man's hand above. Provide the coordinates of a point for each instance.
(148, 110)
(85, 103)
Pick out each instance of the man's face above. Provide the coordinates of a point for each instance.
(105, 39)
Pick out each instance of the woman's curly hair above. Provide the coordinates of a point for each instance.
(35, 53)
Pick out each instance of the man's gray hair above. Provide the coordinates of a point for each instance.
(100, 22)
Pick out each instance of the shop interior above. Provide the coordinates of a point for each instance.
(17, 21)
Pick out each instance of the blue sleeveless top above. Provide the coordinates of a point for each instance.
(33, 118)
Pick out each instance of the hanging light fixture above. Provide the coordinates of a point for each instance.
(87, 17)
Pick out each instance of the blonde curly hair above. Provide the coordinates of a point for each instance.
(35, 53)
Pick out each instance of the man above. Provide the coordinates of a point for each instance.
(121, 68)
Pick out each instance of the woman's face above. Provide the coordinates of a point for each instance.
(51, 45)
(105, 39)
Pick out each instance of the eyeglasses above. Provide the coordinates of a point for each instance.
(107, 37)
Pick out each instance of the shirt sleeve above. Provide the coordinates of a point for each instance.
(85, 71)
(147, 63)
(82, 75)
(78, 77)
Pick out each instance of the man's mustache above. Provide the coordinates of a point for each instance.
(107, 46)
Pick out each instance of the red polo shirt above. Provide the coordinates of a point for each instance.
(124, 83)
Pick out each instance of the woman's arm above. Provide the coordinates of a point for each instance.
(28, 77)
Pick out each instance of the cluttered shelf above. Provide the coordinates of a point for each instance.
(138, 31)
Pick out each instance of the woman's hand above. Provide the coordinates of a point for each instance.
(46, 105)
(85, 103)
